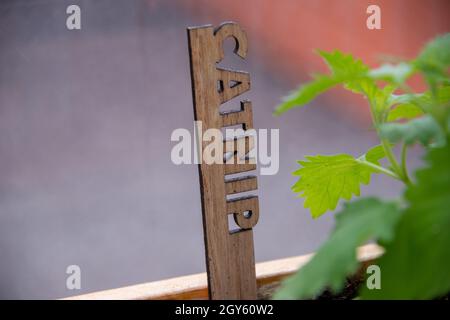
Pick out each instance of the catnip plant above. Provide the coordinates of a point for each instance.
(413, 230)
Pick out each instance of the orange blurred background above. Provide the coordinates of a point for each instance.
(291, 30)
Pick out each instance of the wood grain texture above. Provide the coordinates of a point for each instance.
(241, 184)
(243, 116)
(245, 211)
(268, 274)
(229, 255)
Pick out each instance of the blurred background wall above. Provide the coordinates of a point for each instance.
(86, 118)
(290, 31)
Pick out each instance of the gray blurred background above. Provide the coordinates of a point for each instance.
(85, 124)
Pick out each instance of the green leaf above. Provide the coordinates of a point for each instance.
(442, 95)
(424, 130)
(417, 262)
(353, 73)
(381, 100)
(404, 111)
(344, 70)
(358, 222)
(409, 98)
(409, 106)
(375, 154)
(359, 79)
(326, 179)
(393, 73)
(344, 65)
(434, 60)
(306, 93)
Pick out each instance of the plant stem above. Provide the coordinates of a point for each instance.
(397, 172)
(391, 157)
(379, 169)
(404, 167)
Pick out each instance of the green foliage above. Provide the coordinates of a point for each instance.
(416, 264)
(373, 155)
(415, 235)
(358, 222)
(424, 130)
(404, 111)
(410, 106)
(392, 73)
(380, 100)
(326, 179)
(344, 70)
(307, 93)
(344, 67)
(434, 60)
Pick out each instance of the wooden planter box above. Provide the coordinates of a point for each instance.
(194, 287)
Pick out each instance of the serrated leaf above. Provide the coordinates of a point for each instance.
(357, 223)
(417, 262)
(424, 130)
(344, 70)
(345, 65)
(352, 72)
(324, 180)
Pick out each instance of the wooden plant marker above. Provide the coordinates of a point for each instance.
(229, 254)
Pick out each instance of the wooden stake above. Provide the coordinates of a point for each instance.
(229, 253)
